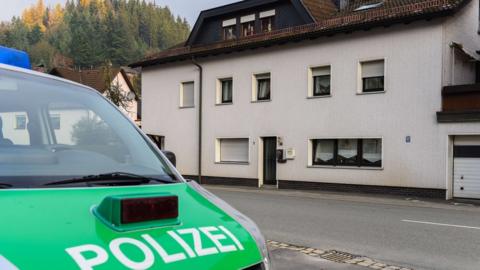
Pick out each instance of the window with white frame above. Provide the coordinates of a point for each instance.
(372, 76)
(320, 81)
(248, 25)
(261, 87)
(267, 20)
(347, 152)
(20, 122)
(232, 150)
(225, 91)
(187, 95)
(229, 29)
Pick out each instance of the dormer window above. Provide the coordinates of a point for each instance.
(248, 25)
(229, 29)
(267, 20)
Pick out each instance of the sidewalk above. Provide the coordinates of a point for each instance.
(468, 205)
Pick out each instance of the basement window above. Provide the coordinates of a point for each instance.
(369, 6)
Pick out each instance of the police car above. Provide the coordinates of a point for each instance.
(81, 187)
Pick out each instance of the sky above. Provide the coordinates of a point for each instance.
(185, 8)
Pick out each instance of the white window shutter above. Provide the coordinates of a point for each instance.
(234, 150)
(188, 94)
(373, 69)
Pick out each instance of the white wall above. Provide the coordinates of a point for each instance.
(413, 55)
(164, 117)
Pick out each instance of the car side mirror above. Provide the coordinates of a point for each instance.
(171, 157)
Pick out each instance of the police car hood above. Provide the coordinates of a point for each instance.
(57, 229)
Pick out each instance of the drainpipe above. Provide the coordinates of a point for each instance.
(200, 110)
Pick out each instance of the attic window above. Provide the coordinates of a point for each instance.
(369, 6)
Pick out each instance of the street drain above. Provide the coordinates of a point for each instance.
(337, 256)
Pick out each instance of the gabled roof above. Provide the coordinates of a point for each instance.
(345, 20)
(95, 78)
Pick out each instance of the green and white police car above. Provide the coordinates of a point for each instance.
(81, 187)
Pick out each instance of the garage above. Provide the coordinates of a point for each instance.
(466, 167)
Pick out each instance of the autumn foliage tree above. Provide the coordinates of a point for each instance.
(92, 32)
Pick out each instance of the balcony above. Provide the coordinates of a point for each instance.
(460, 103)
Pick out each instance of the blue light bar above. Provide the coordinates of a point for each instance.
(14, 57)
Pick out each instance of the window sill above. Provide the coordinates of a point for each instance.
(371, 93)
(261, 101)
(223, 104)
(186, 107)
(315, 97)
(232, 163)
(345, 167)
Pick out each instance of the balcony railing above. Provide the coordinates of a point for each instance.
(460, 103)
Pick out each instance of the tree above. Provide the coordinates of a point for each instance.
(112, 89)
(42, 53)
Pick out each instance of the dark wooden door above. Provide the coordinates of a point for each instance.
(270, 161)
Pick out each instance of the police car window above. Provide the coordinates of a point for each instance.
(53, 130)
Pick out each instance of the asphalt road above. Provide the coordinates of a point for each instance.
(414, 234)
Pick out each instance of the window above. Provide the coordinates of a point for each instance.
(267, 20)
(20, 122)
(347, 152)
(225, 91)
(248, 29)
(13, 127)
(187, 95)
(229, 29)
(373, 76)
(232, 150)
(248, 25)
(158, 140)
(262, 87)
(55, 121)
(320, 80)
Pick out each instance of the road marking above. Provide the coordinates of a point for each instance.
(441, 224)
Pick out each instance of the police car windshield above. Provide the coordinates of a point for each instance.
(52, 130)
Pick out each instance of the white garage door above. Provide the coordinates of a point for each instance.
(466, 171)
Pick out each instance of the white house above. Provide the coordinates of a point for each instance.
(96, 78)
(370, 96)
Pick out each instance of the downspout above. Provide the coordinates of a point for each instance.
(200, 111)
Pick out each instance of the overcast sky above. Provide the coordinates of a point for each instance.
(185, 8)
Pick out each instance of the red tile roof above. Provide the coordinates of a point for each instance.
(328, 23)
(95, 78)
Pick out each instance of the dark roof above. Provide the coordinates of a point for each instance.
(95, 78)
(340, 21)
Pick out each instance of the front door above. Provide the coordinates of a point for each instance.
(270, 161)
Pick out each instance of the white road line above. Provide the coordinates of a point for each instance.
(441, 224)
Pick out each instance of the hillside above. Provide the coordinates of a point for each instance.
(92, 32)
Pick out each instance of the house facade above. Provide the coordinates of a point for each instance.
(342, 95)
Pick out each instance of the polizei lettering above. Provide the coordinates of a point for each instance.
(190, 245)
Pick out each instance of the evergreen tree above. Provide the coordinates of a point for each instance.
(95, 31)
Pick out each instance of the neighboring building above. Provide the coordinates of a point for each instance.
(320, 94)
(96, 78)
